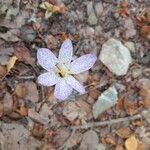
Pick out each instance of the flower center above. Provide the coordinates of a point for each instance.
(62, 70)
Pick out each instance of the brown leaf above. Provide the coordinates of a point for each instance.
(23, 55)
(51, 41)
(110, 140)
(138, 123)
(31, 91)
(6, 105)
(38, 130)
(43, 116)
(144, 92)
(145, 31)
(23, 111)
(3, 71)
(11, 35)
(5, 54)
(141, 146)
(119, 147)
(131, 143)
(124, 132)
(11, 63)
(130, 107)
(76, 110)
(20, 90)
(53, 8)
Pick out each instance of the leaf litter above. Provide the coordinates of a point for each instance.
(32, 115)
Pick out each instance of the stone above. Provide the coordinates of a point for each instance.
(115, 56)
(87, 32)
(98, 30)
(130, 46)
(92, 19)
(106, 100)
(90, 141)
(129, 28)
(98, 9)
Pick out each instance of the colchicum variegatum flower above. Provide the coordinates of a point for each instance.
(61, 69)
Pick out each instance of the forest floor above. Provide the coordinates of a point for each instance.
(31, 117)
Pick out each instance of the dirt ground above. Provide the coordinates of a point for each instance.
(32, 118)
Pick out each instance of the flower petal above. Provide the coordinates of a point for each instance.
(62, 90)
(46, 58)
(66, 52)
(82, 63)
(48, 79)
(75, 84)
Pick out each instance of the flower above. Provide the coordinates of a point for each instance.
(61, 69)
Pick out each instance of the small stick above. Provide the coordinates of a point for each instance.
(26, 77)
(108, 122)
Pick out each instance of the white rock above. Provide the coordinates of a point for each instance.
(115, 56)
(106, 100)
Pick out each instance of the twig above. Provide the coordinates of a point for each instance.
(64, 146)
(26, 77)
(108, 122)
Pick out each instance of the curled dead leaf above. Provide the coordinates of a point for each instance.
(130, 107)
(11, 63)
(131, 143)
(124, 132)
(145, 31)
(23, 111)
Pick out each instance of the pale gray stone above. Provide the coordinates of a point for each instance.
(115, 56)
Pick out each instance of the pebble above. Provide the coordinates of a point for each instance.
(92, 19)
(130, 46)
(106, 100)
(115, 56)
(130, 29)
(136, 72)
(98, 9)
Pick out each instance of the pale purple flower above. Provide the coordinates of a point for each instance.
(61, 69)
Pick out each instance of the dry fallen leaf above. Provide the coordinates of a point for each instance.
(141, 146)
(124, 132)
(20, 90)
(119, 147)
(31, 91)
(3, 71)
(50, 8)
(5, 54)
(110, 140)
(123, 10)
(145, 31)
(6, 104)
(76, 110)
(130, 107)
(23, 111)
(131, 143)
(22, 53)
(144, 86)
(11, 63)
